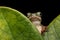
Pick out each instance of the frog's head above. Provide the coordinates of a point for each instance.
(35, 17)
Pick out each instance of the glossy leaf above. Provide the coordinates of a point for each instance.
(15, 26)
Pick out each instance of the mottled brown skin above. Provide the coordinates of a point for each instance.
(38, 18)
(44, 29)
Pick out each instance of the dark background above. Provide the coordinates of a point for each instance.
(50, 9)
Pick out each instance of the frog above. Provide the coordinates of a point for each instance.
(36, 20)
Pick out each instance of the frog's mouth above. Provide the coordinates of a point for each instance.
(36, 22)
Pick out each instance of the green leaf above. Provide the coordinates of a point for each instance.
(15, 26)
(53, 30)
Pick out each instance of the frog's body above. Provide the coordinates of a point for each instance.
(36, 20)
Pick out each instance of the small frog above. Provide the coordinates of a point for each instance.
(36, 19)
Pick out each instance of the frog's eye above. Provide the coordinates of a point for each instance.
(28, 14)
(38, 14)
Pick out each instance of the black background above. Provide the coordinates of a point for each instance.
(50, 9)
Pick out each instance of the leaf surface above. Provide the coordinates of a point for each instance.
(53, 30)
(16, 26)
